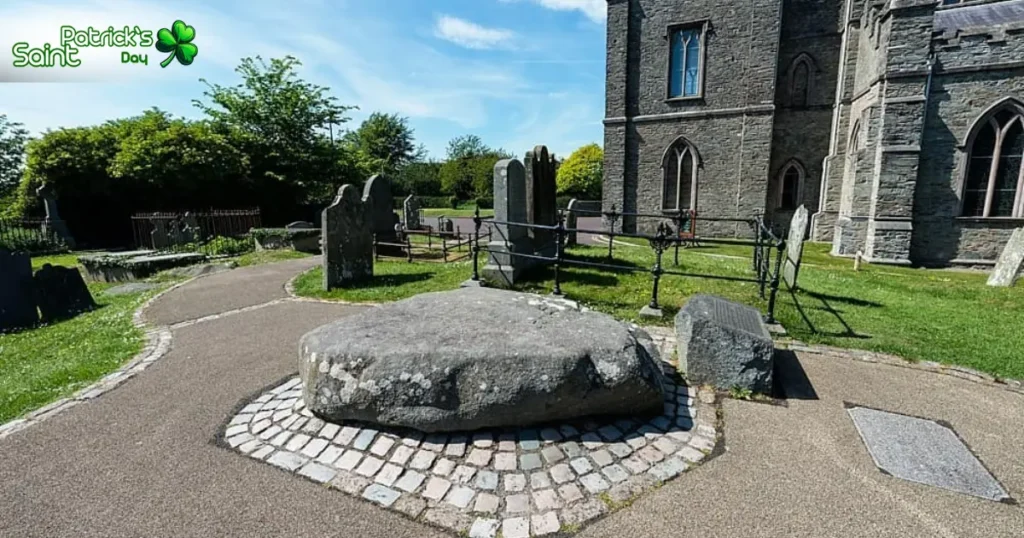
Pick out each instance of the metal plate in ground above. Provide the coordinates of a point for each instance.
(924, 451)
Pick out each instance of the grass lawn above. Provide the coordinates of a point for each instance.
(40, 365)
(945, 316)
(269, 256)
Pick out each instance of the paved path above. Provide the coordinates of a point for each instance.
(141, 460)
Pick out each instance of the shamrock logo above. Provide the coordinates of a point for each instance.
(178, 42)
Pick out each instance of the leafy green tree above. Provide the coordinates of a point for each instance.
(285, 122)
(466, 146)
(421, 178)
(469, 171)
(12, 154)
(383, 144)
(582, 173)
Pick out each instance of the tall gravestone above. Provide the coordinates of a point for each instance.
(795, 246)
(347, 240)
(378, 202)
(1010, 262)
(411, 210)
(541, 206)
(17, 298)
(53, 221)
(503, 269)
(159, 238)
(61, 293)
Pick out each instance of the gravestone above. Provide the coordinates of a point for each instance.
(502, 268)
(1010, 262)
(795, 247)
(159, 236)
(445, 225)
(724, 344)
(572, 217)
(381, 214)
(17, 300)
(411, 209)
(347, 240)
(300, 225)
(541, 206)
(53, 221)
(190, 229)
(61, 293)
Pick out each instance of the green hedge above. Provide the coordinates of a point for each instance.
(298, 233)
(429, 202)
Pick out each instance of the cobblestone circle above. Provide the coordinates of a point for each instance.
(521, 482)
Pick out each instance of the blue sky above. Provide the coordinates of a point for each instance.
(515, 72)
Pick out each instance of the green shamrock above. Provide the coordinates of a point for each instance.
(178, 42)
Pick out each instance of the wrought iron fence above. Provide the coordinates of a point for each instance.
(168, 230)
(767, 271)
(442, 244)
(30, 235)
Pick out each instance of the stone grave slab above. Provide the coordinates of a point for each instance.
(17, 301)
(925, 452)
(347, 237)
(795, 246)
(61, 293)
(1010, 262)
(725, 344)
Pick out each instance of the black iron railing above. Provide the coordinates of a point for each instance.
(767, 272)
(162, 230)
(36, 236)
(452, 245)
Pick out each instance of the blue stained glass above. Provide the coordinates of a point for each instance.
(676, 67)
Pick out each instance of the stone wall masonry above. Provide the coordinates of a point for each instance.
(616, 64)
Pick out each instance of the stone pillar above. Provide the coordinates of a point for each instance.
(541, 205)
(502, 270)
(53, 221)
(347, 240)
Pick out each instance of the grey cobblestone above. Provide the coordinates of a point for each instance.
(457, 481)
(516, 527)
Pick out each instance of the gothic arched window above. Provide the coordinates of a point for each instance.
(800, 80)
(791, 181)
(686, 61)
(994, 182)
(679, 182)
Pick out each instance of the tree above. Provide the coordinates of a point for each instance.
(383, 144)
(12, 154)
(582, 173)
(285, 121)
(466, 146)
(469, 171)
(420, 178)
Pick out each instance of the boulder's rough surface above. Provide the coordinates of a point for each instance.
(475, 358)
(724, 344)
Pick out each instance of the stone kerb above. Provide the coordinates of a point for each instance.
(347, 240)
(1010, 263)
(795, 247)
(503, 269)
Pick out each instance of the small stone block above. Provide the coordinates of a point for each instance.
(346, 435)
(581, 466)
(410, 481)
(620, 450)
(330, 455)
(486, 503)
(370, 466)
(583, 512)
(463, 474)
(484, 528)
(381, 447)
(668, 469)
(444, 467)
(483, 440)
(570, 493)
(651, 454)
(287, 460)
(517, 527)
(615, 473)
(505, 461)
(389, 474)
(364, 439)
(422, 460)
(297, 443)
(540, 480)
(572, 449)
(349, 460)
(436, 488)
(410, 505)
(594, 483)
(401, 455)
(561, 473)
(460, 496)
(317, 472)
(690, 454)
(487, 480)
(666, 445)
(515, 482)
(544, 524)
(350, 483)
(602, 458)
(455, 450)
(546, 499)
(530, 461)
(610, 433)
(314, 447)
(591, 441)
(381, 495)
(550, 435)
(329, 431)
(479, 457)
(517, 504)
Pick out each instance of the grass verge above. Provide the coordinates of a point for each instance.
(40, 365)
(269, 256)
(945, 316)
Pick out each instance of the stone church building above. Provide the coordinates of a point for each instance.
(898, 123)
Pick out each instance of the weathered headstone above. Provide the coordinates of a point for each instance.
(724, 344)
(53, 221)
(190, 229)
(159, 237)
(541, 206)
(300, 225)
(378, 202)
(1010, 263)
(572, 215)
(445, 225)
(17, 300)
(61, 293)
(347, 240)
(502, 268)
(795, 246)
(411, 209)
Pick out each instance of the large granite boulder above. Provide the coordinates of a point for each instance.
(475, 358)
(724, 344)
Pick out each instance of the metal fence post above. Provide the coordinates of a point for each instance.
(375, 256)
(781, 246)
(559, 239)
(612, 217)
(476, 245)
(408, 246)
(659, 244)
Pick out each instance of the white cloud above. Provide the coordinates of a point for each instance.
(595, 10)
(471, 35)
